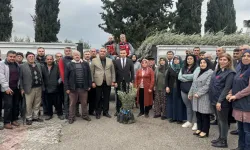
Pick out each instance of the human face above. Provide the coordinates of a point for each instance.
(93, 52)
(203, 64)
(162, 62)
(40, 52)
(67, 52)
(134, 58)
(219, 52)
(202, 56)
(19, 58)
(76, 57)
(190, 60)
(102, 52)
(223, 62)
(196, 51)
(170, 56)
(111, 38)
(144, 64)
(58, 57)
(123, 38)
(31, 58)
(11, 58)
(176, 61)
(49, 60)
(123, 53)
(86, 55)
(243, 48)
(236, 55)
(246, 59)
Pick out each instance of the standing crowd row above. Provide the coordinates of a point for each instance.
(190, 90)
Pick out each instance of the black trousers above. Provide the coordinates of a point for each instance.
(122, 86)
(203, 122)
(61, 93)
(1, 104)
(143, 109)
(91, 100)
(11, 106)
(52, 99)
(102, 103)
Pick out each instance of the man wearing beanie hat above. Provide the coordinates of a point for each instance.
(31, 84)
(19, 58)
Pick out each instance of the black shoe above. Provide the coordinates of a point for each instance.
(171, 120)
(196, 133)
(61, 117)
(140, 114)
(98, 116)
(86, 118)
(66, 116)
(116, 114)
(222, 144)
(37, 120)
(163, 118)
(48, 117)
(71, 121)
(107, 115)
(214, 122)
(146, 116)
(157, 116)
(234, 132)
(29, 122)
(215, 141)
(179, 122)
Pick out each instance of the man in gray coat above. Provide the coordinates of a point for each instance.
(31, 83)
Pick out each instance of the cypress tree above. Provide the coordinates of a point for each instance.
(188, 19)
(6, 23)
(46, 21)
(221, 15)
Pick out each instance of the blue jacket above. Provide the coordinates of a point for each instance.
(241, 82)
(220, 85)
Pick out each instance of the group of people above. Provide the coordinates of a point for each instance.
(188, 92)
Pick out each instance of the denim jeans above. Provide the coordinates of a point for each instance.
(244, 135)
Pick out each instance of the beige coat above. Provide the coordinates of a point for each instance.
(98, 71)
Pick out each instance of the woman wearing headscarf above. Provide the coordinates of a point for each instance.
(176, 110)
(200, 97)
(160, 99)
(240, 98)
(186, 77)
(144, 82)
(137, 64)
(220, 84)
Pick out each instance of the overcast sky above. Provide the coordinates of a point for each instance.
(80, 19)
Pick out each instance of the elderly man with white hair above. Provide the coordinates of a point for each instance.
(77, 83)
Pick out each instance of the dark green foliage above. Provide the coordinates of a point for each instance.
(6, 24)
(46, 21)
(188, 16)
(135, 18)
(221, 16)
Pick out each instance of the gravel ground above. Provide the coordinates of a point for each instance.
(107, 134)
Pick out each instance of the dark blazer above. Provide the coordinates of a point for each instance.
(26, 77)
(126, 73)
(51, 78)
(70, 76)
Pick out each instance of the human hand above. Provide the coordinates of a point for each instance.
(149, 91)
(218, 106)
(93, 85)
(68, 91)
(232, 98)
(167, 90)
(9, 92)
(196, 95)
(228, 96)
(190, 97)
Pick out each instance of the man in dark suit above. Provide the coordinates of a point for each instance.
(124, 69)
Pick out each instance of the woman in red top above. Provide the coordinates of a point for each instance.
(144, 82)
